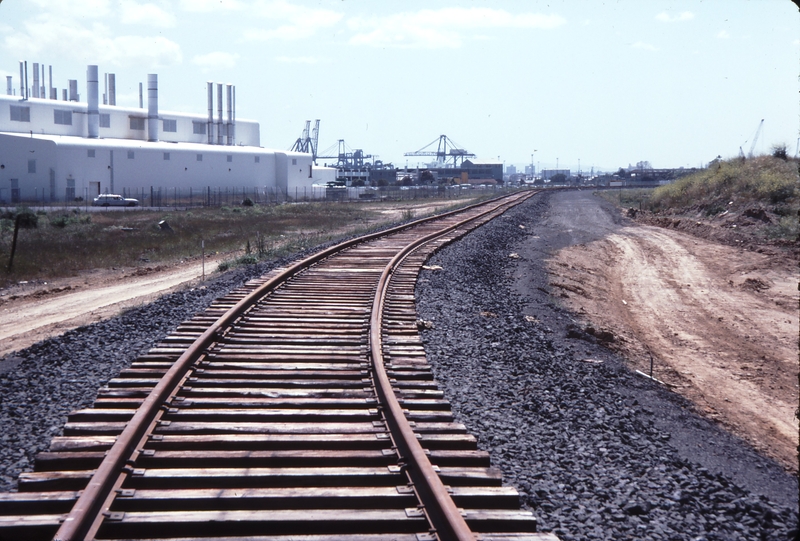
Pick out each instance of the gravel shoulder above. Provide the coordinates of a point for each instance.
(597, 451)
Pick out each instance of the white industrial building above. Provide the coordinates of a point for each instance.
(58, 150)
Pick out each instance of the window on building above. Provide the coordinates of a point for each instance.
(130, 154)
(230, 158)
(63, 117)
(198, 128)
(105, 120)
(20, 113)
(258, 159)
(31, 166)
(166, 155)
(199, 157)
(137, 123)
(170, 125)
(90, 153)
(294, 161)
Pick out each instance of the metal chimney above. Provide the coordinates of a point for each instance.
(152, 107)
(73, 90)
(210, 126)
(233, 123)
(8, 85)
(21, 81)
(41, 93)
(53, 92)
(105, 89)
(26, 90)
(141, 103)
(92, 101)
(64, 93)
(219, 113)
(112, 89)
(35, 79)
(228, 130)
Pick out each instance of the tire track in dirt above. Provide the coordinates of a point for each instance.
(717, 320)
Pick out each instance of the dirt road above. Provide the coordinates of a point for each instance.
(720, 322)
(40, 311)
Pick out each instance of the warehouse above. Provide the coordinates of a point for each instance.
(59, 150)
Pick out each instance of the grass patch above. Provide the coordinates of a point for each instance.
(626, 198)
(765, 180)
(66, 243)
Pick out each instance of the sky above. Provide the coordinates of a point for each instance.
(567, 84)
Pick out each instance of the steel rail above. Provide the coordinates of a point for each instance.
(442, 512)
(86, 511)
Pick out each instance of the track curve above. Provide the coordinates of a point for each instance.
(299, 405)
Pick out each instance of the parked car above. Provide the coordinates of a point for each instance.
(113, 200)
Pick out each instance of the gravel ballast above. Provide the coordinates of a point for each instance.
(596, 451)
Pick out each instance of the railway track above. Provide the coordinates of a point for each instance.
(300, 406)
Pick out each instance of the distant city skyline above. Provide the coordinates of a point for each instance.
(607, 84)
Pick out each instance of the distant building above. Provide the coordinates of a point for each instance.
(511, 170)
(547, 174)
(59, 150)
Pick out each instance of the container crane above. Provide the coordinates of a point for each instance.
(442, 154)
(307, 143)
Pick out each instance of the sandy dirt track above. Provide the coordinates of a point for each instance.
(49, 310)
(720, 322)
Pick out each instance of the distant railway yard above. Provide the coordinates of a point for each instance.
(527, 326)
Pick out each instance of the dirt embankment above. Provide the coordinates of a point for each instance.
(720, 322)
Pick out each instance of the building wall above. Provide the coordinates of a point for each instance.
(88, 165)
(43, 113)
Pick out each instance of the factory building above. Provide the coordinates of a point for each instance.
(58, 150)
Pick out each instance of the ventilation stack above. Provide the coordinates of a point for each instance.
(112, 89)
(8, 85)
(210, 113)
(229, 125)
(152, 107)
(73, 90)
(219, 114)
(35, 79)
(92, 101)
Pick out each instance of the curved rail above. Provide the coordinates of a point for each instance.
(442, 512)
(85, 516)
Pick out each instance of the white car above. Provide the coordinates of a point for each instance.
(113, 200)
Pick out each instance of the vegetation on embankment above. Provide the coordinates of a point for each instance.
(761, 195)
(64, 242)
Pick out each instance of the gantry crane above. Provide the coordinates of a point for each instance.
(307, 142)
(442, 154)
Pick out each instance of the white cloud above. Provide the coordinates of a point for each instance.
(294, 22)
(60, 29)
(208, 6)
(722, 34)
(667, 18)
(643, 45)
(297, 59)
(133, 12)
(88, 9)
(446, 27)
(215, 61)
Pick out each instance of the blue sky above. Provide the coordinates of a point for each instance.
(604, 83)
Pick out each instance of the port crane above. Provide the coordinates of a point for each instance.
(307, 142)
(753, 144)
(442, 153)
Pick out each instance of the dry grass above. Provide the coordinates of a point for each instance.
(69, 241)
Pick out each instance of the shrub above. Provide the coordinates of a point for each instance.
(247, 202)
